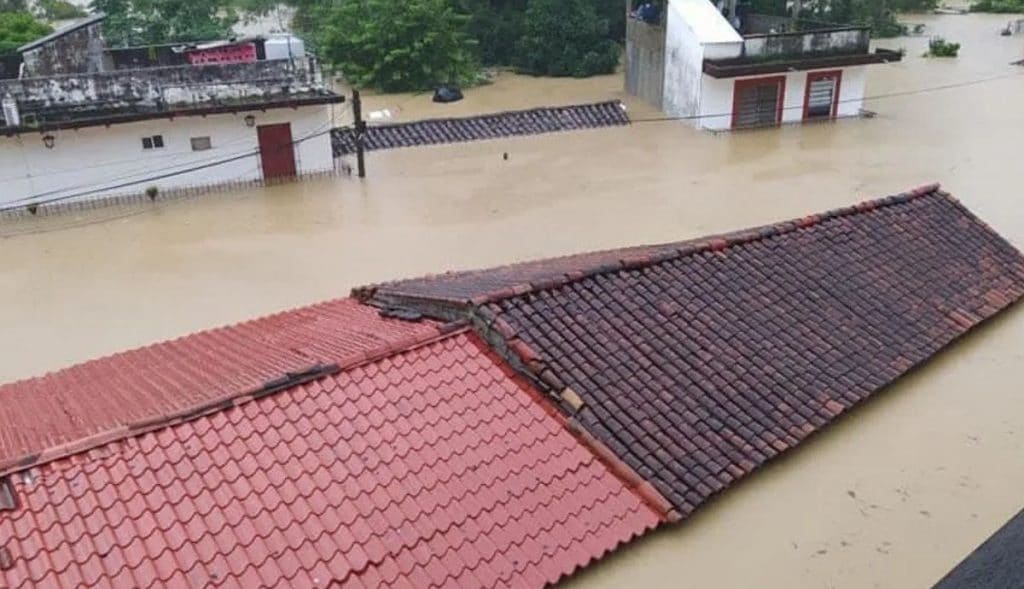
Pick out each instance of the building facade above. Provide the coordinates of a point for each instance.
(159, 130)
(755, 71)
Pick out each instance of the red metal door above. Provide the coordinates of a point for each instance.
(277, 152)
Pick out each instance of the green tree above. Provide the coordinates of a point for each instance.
(13, 6)
(397, 46)
(58, 10)
(565, 38)
(145, 22)
(18, 28)
(497, 26)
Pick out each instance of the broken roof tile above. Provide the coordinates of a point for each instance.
(45, 416)
(489, 489)
(714, 356)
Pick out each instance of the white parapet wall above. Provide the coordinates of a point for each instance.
(99, 161)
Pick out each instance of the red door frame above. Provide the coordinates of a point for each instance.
(811, 77)
(741, 84)
(277, 150)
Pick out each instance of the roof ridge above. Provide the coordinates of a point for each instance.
(288, 380)
(173, 339)
(712, 243)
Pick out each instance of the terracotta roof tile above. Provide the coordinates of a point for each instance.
(102, 397)
(701, 364)
(433, 467)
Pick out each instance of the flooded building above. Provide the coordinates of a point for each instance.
(730, 69)
(225, 114)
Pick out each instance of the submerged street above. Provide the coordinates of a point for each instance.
(893, 496)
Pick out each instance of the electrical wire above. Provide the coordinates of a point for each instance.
(884, 96)
(32, 200)
(35, 199)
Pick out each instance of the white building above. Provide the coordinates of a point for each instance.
(159, 130)
(693, 63)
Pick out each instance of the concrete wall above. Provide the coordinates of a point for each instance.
(645, 61)
(717, 97)
(103, 158)
(807, 44)
(684, 60)
(161, 89)
(79, 51)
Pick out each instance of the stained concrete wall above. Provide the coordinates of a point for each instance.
(645, 61)
(161, 89)
(684, 60)
(807, 44)
(116, 156)
(78, 51)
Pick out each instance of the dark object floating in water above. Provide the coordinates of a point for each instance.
(447, 94)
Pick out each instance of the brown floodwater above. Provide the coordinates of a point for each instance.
(891, 497)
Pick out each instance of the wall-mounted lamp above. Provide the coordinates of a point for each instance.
(250, 121)
(49, 140)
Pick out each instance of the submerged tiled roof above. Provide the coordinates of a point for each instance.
(434, 467)
(50, 415)
(698, 365)
(475, 128)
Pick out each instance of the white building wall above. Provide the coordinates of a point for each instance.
(684, 61)
(717, 97)
(103, 161)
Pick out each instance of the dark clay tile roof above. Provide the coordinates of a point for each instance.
(80, 406)
(697, 366)
(457, 288)
(491, 126)
(432, 467)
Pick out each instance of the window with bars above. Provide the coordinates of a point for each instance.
(153, 142)
(758, 102)
(822, 96)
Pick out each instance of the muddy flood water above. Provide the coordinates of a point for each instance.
(893, 496)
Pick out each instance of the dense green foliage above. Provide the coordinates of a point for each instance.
(880, 15)
(18, 28)
(565, 38)
(397, 46)
(58, 10)
(143, 22)
(998, 6)
(939, 47)
(13, 6)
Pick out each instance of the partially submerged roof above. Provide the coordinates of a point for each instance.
(697, 364)
(106, 398)
(81, 24)
(432, 467)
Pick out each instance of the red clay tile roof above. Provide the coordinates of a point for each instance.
(699, 365)
(48, 416)
(436, 466)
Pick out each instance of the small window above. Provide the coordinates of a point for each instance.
(154, 142)
(201, 143)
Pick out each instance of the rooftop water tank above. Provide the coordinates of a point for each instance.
(284, 47)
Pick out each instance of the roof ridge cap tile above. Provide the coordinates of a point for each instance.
(173, 339)
(536, 370)
(712, 243)
(209, 407)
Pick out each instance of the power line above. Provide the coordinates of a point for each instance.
(34, 200)
(896, 94)
(31, 200)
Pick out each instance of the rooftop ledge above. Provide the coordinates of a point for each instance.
(83, 100)
(774, 64)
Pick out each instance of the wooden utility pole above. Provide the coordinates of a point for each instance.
(357, 110)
